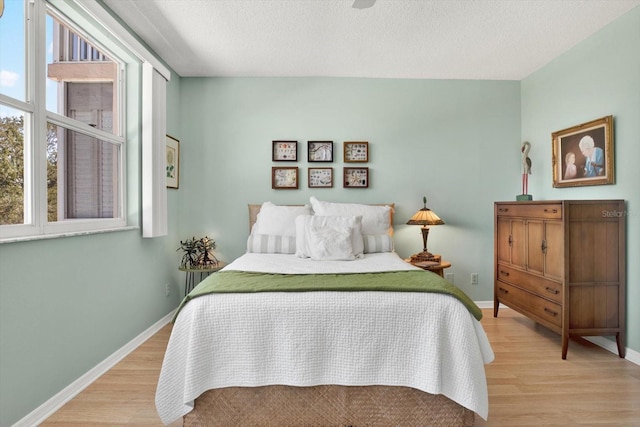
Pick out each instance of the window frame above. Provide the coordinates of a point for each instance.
(37, 116)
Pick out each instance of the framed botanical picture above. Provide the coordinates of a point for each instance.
(320, 151)
(284, 178)
(583, 154)
(173, 162)
(320, 177)
(356, 152)
(356, 178)
(285, 151)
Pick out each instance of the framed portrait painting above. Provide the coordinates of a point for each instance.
(583, 154)
(173, 162)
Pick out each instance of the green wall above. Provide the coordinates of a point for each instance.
(66, 304)
(599, 77)
(457, 142)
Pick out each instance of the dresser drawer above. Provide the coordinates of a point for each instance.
(538, 308)
(530, 210)
(538, 285)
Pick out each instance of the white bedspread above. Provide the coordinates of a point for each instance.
(422, 340)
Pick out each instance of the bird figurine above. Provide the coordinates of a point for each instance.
(526, 166)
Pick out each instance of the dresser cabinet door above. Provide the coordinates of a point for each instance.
(511, 239)
(518, 243)
(503, 240)
(535, 247)
(545, 248)
(554, 250)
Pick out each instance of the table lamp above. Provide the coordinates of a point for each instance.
(425, 217)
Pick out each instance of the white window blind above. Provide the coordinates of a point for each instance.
(154, 187)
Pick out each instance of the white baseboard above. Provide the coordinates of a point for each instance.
(485, 304)
(48, 408)
(630, 355)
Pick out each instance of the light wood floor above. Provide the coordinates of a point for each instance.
(529, 383)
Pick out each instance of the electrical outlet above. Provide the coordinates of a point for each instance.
(474, 278)
(449, 277)
(167, 290)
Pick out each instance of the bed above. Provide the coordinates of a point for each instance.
(329, 354)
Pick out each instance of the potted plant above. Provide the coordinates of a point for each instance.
(198, 253)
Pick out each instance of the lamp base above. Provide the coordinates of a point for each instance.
(425, 256)
(523, 197)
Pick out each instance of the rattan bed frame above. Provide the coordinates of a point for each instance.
(328, 405)
(325, 405)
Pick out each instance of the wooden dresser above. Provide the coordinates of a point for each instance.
(562, 264)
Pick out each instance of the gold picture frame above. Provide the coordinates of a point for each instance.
(583, 154)
(173, 162)
(284, 178)
(356, 152)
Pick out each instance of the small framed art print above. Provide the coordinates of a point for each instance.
(355, 152)
(320, 151)
(285, 151)
(173, 162)
(356, 178)
(320, 177)
(284, 178)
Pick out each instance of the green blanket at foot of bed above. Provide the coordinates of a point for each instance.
(395, 281)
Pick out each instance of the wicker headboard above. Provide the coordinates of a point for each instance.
(254, 209)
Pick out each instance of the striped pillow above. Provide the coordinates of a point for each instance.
(377, 243)
(271, 244)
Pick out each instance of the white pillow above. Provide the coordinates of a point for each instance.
(377, 243)
(275, 220)
(270, 244)
(331, 243)
(375, 219)
(313, 235)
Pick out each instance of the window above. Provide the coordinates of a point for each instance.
(62, 143)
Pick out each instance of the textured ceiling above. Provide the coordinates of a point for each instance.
(433, 39)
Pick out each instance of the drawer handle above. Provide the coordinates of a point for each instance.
(503, 290)
(503, 209)
(553, 291)
(504, 273)
(551, 312)
(551, 211)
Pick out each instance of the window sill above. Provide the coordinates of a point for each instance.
(67, 234)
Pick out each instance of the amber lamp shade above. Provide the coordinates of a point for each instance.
(424, 217)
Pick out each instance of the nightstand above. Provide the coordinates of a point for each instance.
(436, 267)
(190, 278)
